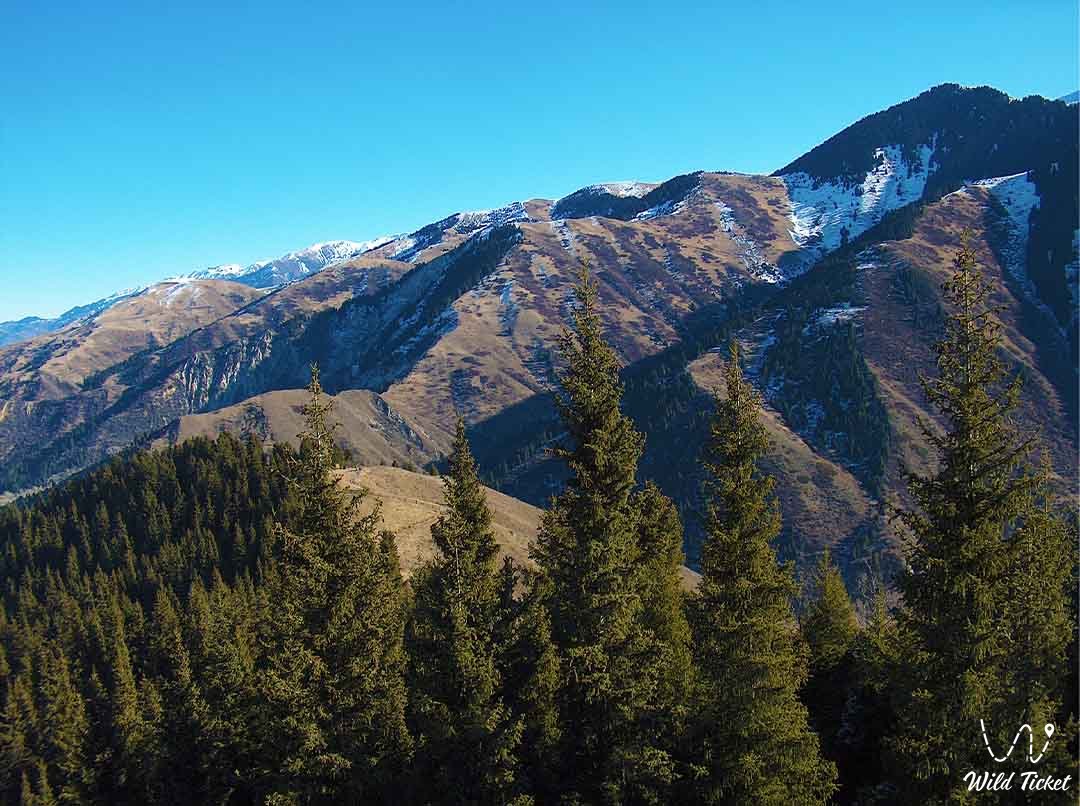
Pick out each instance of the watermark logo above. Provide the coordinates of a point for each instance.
(1030, 780)
(1032, 758)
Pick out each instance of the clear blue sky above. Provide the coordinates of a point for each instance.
(138, 141)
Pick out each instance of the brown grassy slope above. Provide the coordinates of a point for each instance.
(410, 503)
(369, 429)
(58, 362)
(325, 289)
(42, 391)
(818, 497)
(897, 348)
(651, 275)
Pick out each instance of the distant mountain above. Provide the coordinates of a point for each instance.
(1071, 98)
(828, 272)
(291, 267)
(30, 326)
(261, 274)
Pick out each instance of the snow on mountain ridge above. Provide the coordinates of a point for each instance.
(478, 219)
(821, 212)
(623, 189)
(262, 274)
(473, 223)
(289, 267)
(1018, 196)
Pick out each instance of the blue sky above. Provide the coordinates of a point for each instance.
(139, 142)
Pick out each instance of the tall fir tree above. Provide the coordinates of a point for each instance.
(751, 743)
(65, 727)
(973, 650)
(334, 676)
(594, 570)
(182, 770)
(530, 667)
(830, 627)
(467, 739)
(869, 710)
(664, 600)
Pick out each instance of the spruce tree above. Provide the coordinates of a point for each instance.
(531, 672)
(830, 628)
(660, 540)
(65, 726)
(829, 624)
(751, 743)
(869, 711)
(972, 533)
(334, 676)
(182, 770)
(467, 739)
(591, 560)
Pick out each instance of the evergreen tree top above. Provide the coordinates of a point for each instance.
(604, 442)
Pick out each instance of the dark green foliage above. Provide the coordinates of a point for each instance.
(817, 376)
(984, 551)
(830, 628)
(869, 714)
(333, 676)
(467, 738)
(104, 699)
(219, 623)
(594, 562)
(750, 743)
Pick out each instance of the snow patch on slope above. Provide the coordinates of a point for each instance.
(1072, 274)
(669, 207)
(750, 251)
(1018, 196)
(825, 318)
(821, 212)
(479, 219)
(290, 267)
(624, 189)
(183, 292)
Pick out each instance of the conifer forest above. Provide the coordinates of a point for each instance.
(222, 621)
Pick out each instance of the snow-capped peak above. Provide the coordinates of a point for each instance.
(228, 270)
(478, 219)
(290, 267)
(626, 188)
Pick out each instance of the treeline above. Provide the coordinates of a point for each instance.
(221, 623)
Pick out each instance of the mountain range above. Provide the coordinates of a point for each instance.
(827, 272)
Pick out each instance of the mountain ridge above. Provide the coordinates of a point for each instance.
(462, 315)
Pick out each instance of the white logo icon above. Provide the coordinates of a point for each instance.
(1032, 758)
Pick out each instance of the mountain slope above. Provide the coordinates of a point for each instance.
(263, 274)
(826, 271)
(30, 326)
(409, 504)
(368, 428)
(291, 267)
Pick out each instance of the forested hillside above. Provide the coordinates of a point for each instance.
(224, 621)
